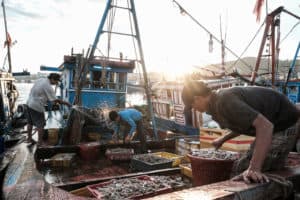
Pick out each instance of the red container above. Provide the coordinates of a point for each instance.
(207, 171)
(89, 151)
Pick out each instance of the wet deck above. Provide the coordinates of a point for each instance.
(23, 181)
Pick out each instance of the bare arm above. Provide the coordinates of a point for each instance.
(264, 132)
(62, 102)
(217, 143)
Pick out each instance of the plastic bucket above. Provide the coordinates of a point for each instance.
(207, 171)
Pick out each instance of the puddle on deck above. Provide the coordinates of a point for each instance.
(83, 170)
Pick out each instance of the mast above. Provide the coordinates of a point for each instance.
(147, 89)
(7, 37)
(139, 59)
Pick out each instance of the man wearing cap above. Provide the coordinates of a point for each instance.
(41, 92)
(256, 111)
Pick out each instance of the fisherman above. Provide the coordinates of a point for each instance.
(131, 119)
(40, 94)
(256, 111)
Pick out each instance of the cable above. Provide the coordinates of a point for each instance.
(290, 31)
(239, 58)
(182, 10)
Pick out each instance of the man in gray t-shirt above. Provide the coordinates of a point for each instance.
(40, 93)
(256, 111)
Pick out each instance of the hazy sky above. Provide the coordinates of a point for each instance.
(172, 43)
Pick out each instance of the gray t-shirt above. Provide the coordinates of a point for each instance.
(236, 108)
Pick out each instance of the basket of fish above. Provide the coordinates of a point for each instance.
(130, 188)
(119, 154)
(148, 162)
(210, 165)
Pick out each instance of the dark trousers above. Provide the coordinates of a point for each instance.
(282, 143)
(139, 134)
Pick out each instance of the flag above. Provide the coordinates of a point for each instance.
(7, 41)
(257, 9)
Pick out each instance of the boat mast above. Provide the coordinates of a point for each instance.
(7, 37)
(147, 88)
(141, 60)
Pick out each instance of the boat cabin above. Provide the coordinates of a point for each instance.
(104, 83)
(292, 90)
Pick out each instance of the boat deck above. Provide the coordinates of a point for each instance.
(24, 181)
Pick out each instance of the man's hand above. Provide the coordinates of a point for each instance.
(217, 143)
(128, 138)
(251, 176)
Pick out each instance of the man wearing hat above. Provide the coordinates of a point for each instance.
(256, 111)
(40, 94)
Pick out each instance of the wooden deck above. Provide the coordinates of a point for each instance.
(23, 181)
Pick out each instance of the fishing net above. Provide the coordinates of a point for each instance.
(80, 117)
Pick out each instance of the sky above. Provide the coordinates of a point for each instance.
(172, 43)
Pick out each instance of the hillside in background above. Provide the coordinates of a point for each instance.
(245, 67)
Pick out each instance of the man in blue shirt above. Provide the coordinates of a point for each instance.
(132, 120)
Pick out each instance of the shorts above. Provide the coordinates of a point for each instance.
(282, 143)
(35, 118)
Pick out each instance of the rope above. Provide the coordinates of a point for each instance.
(292, 29)
(247, 47)
(285, 185)
(182, 10)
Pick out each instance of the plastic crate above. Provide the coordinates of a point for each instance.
(138, 162)
(62, 159)
(84, 192)
(174, 157)
(119, 154)
(96, 193)
(186, 169)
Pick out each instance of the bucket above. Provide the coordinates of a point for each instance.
(53, 136)
(207, 171)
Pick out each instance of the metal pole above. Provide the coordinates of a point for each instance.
(100, 29)
(144, 68)
(7, 39)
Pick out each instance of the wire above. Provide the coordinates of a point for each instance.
(131, 29)
(239, 58)
(292, 29)
(182, 10)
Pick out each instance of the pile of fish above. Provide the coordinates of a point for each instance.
(136, 187)
(215, 154)
(119, 153)
(150, 158)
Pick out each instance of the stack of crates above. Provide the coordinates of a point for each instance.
(185, 145)
(239, 144)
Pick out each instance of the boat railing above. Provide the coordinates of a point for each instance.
(99, 85)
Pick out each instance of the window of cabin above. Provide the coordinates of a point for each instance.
(86, 83)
